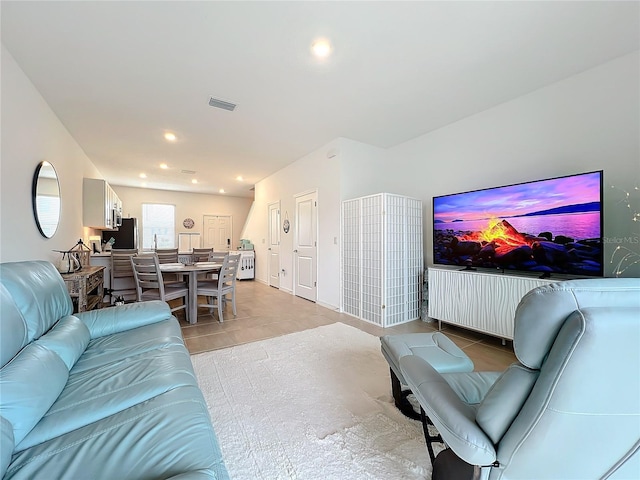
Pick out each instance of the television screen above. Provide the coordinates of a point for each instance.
(551, 226)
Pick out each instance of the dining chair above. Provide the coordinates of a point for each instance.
(216, 257)
(121, 275)
(167, 255)
(201, 254)
(170, 255)
(220, 288)
(150, 284)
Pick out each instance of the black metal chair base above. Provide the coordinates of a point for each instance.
(400, 398)
(429, 439)
(403, 404)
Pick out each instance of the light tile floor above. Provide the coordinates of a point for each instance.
(266, 312)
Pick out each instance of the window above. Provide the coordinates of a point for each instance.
(158, 226)
(48, 207)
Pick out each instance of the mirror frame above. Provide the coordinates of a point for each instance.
(34, 193)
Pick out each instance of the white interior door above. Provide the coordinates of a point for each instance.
(217, 232)
(305, 248)
(274, 244)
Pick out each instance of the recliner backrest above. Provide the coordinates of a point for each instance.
(582, 417)
(575, 339)
(542, 312)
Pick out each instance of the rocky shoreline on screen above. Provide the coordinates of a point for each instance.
(543, 253)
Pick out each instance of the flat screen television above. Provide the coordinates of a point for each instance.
(551, 226)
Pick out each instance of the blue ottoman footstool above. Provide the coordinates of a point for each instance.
(435, 348)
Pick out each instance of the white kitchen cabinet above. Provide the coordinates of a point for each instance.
(101, 206)
(382, 258)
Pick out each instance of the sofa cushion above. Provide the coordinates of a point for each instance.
(126, 317)
(30, 383)
(6, 444)
(167, 435)
(116, 347)
(68, 339)
(13, 329)
(95, 394)
(39, 293)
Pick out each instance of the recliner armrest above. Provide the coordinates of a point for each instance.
(454, 419)
(108, 321)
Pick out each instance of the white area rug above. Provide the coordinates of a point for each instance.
(310, 405)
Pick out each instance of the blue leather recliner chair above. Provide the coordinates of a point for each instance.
(570, 409)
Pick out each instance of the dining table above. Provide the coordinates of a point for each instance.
(192, 270)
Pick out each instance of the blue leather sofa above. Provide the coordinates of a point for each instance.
(103, 394)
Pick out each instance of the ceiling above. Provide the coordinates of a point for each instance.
(120, 74)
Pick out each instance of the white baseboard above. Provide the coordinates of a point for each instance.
(329, 306)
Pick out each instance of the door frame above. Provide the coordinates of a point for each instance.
(295, 242)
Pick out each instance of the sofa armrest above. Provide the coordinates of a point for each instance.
(107, 321)
(454, 419)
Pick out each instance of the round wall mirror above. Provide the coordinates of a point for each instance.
(45, 194)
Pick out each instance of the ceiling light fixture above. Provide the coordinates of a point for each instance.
(321, 48)
(143, 175)
(221, 190)
(164, 166)
(194, 180)
(169, 136)
(239, 178)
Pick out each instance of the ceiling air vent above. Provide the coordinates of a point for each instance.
(188, 172)
(214, 102)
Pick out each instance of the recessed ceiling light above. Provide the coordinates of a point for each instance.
(194, 180)
(164, 166)
(169, 136)
(143, 175)
(321, 48)
(239, 178)
(221, 190)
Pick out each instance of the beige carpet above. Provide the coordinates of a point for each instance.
(310, 405)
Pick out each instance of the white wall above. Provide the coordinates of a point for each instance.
(31, 132)
(188, 205)
(590, 121)
(312, 172)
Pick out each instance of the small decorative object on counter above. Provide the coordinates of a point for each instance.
(74, 259)
(108, 245)
(68, 263)
(82, 253)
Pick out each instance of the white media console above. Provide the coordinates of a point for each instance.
(485, 302)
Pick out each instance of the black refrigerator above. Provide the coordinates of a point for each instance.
(126, 236)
